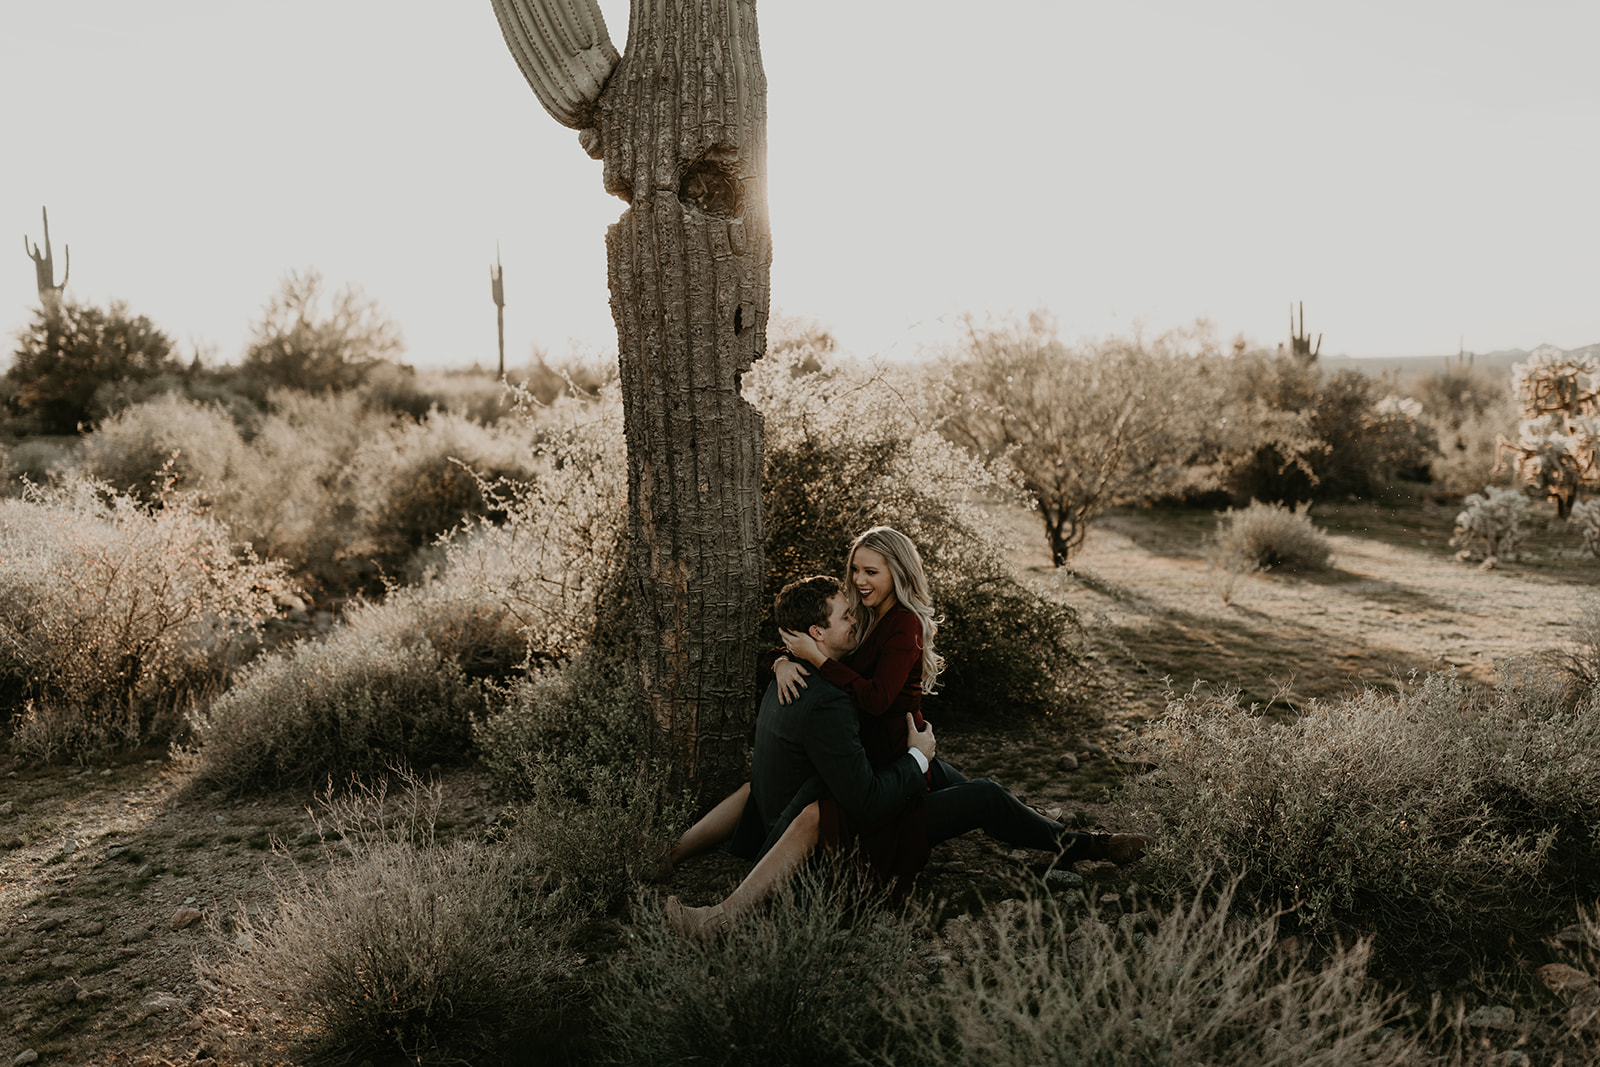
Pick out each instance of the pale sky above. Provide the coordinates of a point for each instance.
(1417, 173)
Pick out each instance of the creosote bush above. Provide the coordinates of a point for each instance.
(167, 442)
(797, 982)
(112, 615)
(1433, 817)
(1272, 537)
(1199, 983)
(410, 948)
(353, 703)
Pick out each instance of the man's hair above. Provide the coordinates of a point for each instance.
(804, 604)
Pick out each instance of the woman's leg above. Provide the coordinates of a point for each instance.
(714, 827)
(765, 878)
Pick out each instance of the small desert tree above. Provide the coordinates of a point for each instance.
(1558, 451)
(1084, 427)
(70, 353)
(307, 340)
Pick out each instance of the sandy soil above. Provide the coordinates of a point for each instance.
(98, 864)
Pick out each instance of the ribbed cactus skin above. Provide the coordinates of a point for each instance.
(563, 50)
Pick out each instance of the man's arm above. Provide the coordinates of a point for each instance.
(833, 743)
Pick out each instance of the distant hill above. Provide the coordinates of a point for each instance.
(1408, 365)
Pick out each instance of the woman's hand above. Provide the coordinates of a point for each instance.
(790, 677)
(802, 644)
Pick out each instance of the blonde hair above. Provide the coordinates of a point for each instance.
(910, 589)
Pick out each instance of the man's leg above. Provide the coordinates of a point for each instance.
(988, 806)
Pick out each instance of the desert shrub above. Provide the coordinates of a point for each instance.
(558, 546)
(564, 724)
(39, 460)
(796, 982)
(1083, 427)
(1586, 515)
(69, 352)
(310, 341)
(848, 449)
(353, 703)
(1195, 984)
(417, 480)
(1339, 436)
(289, 497)
(1421, 815)
(168, 442)
(1469, 409)
(1272, 536)
(410, 949)
(1493, 522)
(112, 614)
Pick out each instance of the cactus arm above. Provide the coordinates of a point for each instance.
(563, 51)
(66, 272)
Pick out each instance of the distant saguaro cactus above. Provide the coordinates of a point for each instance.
(680, 122)
(44, 266)
(497, 289)
(1299, 340)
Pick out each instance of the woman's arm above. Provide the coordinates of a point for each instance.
(901, 652)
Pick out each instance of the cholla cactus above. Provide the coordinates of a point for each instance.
(1495, 519)
(1558, 450)
(1587, 515)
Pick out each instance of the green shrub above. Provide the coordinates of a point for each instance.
(1268, 536)
(417, 480)
(797, 982)
(565, 724)
(1045, 984)
(69, 352)
(1326, 435)
(165, 443)
(39, 460)
(845, 451)
(1493, 522)
(111, 615)
(1430, 817)
(410, 950)
(353, 703)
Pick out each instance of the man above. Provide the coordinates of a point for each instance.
(813, 745)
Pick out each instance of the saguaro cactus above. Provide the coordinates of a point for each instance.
(44, 266)
(1299, 340)
(680, 122)
(497, 289)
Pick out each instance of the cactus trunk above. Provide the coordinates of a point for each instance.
(682, 128)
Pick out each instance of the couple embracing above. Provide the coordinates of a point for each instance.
(844, 762)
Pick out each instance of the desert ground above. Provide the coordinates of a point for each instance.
(116, 876)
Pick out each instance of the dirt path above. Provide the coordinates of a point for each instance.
(1390, 604)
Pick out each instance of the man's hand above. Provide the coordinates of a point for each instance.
(921, 740)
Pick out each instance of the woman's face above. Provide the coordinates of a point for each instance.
(869, 573)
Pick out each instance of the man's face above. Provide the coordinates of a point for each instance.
(838, 638)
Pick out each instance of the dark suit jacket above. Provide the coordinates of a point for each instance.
(810, 747)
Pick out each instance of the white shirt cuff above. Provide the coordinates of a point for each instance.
(922, 761)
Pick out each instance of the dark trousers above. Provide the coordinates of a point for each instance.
(956, 805)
